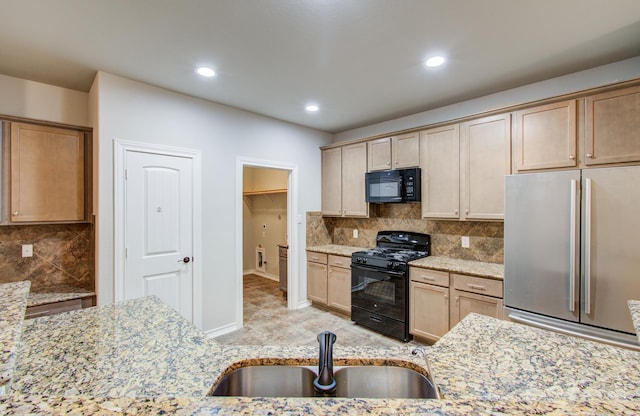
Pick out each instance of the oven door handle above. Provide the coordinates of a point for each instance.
(355, 266)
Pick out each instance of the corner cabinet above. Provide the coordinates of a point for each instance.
(545, 137)
(47, 178)
(464, 166)
(395, 152)
(343, 187)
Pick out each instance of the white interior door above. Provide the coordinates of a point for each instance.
(158, 223)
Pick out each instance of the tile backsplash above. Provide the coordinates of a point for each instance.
(62, 255)
(486, 238)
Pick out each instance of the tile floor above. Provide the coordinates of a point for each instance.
(267, 321)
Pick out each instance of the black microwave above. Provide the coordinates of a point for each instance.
(400, 185)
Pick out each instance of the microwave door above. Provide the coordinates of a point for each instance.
(385, 191)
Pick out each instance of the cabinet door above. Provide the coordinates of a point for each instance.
(332, 182)
(354, 167)
(47, 174)
(613, 127)
(317, 282)
(428, 311)
(440, 161)
(406, 150)
(545, 137)
(464, 303)
(339, 296)
(379, 154)
(485, 158)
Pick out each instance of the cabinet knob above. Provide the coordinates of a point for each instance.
(388, 163)
(455, 212)
(572, 157)
(15, 212)
(589, 155)
(466, 212)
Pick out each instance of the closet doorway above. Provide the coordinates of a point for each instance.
(264, 238)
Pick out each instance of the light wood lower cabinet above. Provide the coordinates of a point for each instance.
(474, 294)
(339, 283)
(329, 281)
(317, 277)
(435, 307)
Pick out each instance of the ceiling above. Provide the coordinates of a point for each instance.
(361, 61)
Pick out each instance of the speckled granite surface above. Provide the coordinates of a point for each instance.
(634, 308)
(470, 267)
(142, 357)
(13, 302)
(447, 264)
(57, 293)
(336, 249)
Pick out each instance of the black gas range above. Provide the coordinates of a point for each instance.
(380, 282)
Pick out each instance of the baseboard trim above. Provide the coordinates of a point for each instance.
(261, 274)
(216, 332)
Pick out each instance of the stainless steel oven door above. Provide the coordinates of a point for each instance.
(379, 291)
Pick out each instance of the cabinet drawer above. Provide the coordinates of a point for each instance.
(316, 257)
(479, 285)
(340, 261)
(432, 277)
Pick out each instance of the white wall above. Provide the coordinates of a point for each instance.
(578, 81)
(130, 110)
(29, 99)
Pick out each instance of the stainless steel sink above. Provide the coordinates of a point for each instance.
(383, 382)
(267, 381)
(352, 381)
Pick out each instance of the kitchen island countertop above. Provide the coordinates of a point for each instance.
(142, 356)
(13, 303)
(634, 308)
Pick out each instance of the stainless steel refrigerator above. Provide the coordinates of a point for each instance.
(572, 251)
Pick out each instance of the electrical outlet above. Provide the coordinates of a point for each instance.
(27, 250)
(465, 242)
(355, 233)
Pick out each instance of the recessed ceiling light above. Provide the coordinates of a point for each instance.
(312, 108)
(435, 61)
(205, 71)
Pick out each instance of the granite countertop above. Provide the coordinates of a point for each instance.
(447, 264)
(336, 249)
(58, 293)
(141, 356)
(634, 308)
(470, 267)
(13, 303)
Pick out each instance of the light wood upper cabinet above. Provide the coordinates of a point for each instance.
(332, 182)
(485, 159)
(440, 161)
(47, 174)
(545, 137)
(396, 152)
(343, 185)
(463, 169)
(613, 127)
(354, 168)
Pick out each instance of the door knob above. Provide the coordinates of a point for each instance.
(185, 260)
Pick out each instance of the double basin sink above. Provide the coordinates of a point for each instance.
(367, 381)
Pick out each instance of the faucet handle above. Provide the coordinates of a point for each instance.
(325, 382)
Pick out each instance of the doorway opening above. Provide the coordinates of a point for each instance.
(267, 224)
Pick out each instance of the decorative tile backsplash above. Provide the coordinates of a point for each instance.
(62, 255)
(486, 238)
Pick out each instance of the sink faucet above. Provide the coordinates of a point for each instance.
(325, 382)
(420, 351)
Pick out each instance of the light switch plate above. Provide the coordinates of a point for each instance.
(27, 250)
(355, 233)
(465, 242)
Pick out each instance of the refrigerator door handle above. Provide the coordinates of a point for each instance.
(573, 245)
(587, 247)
